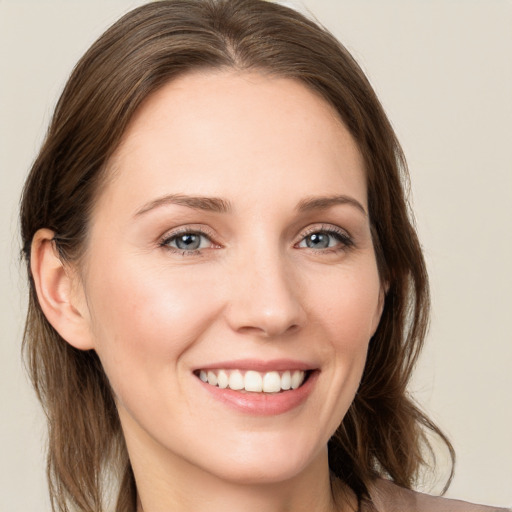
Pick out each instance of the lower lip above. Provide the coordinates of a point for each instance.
(263, 404)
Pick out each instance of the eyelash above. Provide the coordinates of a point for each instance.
(345, 241)
(170, 237)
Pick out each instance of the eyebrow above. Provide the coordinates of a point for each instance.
(323, 203)
(210, 204)
(219, 205)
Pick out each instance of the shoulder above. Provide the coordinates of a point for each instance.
(388, 497)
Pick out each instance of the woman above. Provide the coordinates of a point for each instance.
(227, 294)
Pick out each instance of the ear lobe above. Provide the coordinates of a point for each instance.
(56, 289)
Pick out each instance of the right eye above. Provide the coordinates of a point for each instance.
(187, 242)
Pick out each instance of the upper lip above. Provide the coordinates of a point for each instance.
(258, 365)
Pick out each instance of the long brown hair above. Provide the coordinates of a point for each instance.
(383, 433)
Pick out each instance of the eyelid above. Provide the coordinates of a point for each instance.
(328, 228)
(188, 228)
(169, 235)
(345, 238)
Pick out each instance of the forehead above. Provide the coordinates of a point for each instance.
(223, 132)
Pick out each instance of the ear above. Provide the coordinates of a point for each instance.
(59, 292)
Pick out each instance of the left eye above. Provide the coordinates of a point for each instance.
(322, 240)
(188, 241)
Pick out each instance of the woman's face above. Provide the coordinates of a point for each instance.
(232, 244)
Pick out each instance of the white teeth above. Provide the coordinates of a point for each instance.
(236, 380)
(253, 382)
(271, 382)
(256, 382)
(223, 379)
(286, 380)
(297, 379)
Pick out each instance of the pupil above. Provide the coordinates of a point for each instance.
(318, 240)
(189, 241)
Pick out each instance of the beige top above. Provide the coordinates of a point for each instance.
(388, 497)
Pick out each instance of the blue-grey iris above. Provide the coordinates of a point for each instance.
(188, 241)
(318, 240)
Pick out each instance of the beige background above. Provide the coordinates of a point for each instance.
(443, 70)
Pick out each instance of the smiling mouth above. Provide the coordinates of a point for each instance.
(253, 381)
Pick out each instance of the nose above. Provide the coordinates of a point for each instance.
(264, 298)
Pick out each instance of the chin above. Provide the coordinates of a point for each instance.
(267, 473)
(267, 464)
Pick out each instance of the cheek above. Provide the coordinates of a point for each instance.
(344, 304)
(348, 305)
(142, 316)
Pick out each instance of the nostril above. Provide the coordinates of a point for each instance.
(268, 331)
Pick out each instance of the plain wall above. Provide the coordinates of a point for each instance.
(443, 71)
